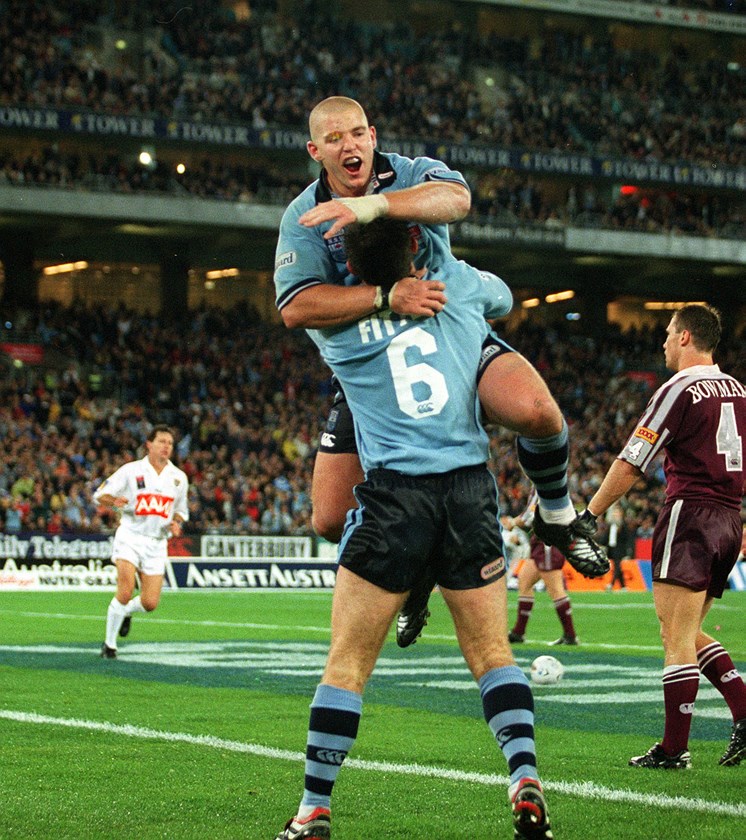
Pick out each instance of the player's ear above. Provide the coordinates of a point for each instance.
(350, 267)
(313, 150)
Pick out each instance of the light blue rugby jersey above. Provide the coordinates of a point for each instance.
(304, 258)
(411, 383)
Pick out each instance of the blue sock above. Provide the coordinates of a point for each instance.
(332, 729)
(545, 461)
(509, 711)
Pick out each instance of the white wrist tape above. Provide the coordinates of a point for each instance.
(367, 207)
(391, 294)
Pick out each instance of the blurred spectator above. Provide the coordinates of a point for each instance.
(248, 439)
(561, 90)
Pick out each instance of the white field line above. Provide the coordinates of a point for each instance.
(586, 790)
(324, 630)
(246, 625)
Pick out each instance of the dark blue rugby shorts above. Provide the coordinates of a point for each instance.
(441, 527)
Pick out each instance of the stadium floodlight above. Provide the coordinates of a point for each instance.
(671, 304)
(530, 303)
(218, 273)
(65, 268)
(558, 296)
(147, 157)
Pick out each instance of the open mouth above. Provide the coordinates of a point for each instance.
(353, 165)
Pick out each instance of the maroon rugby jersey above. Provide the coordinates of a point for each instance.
(699, 418)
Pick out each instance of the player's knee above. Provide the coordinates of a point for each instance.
(545, 419)
(327, 527)
(149, 604)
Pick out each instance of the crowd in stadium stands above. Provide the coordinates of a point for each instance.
(502, 197)
(733, 7)
(248, 400)
(561, 91)
(208, 178)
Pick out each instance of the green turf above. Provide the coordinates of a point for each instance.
(238, 669)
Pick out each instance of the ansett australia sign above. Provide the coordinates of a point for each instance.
(220, 573)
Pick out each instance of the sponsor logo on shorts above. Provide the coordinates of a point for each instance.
(492, 569)
(328, 440)
(647, 434)
(283, 260)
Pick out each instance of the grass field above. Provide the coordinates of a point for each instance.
(198, 729)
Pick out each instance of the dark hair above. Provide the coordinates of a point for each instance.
(161, 427)
(703, 322)
(380, 252)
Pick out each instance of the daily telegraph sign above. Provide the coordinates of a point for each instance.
(44, 562)
(40, 562)
(42, 547)
(457, 155)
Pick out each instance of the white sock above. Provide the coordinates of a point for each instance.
(558, 517)
(135, 605)
(305, 811)
(114, 618)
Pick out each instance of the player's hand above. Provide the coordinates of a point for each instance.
(587, 522)
(120, 502)
(418, 298)
(329, 211)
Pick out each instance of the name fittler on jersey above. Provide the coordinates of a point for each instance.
(374, 327)
(716, 388)
(153, 504)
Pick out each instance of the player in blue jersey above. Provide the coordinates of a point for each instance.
(315, 289)
(427, 509)
(698, 418)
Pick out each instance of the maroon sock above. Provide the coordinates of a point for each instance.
(564, 611)
(525, 605)
(715, 663)
(680, 685)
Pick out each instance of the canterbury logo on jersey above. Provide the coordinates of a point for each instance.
(153, 504)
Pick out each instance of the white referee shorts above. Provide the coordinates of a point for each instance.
(147, 554)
